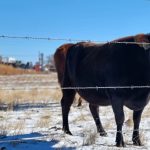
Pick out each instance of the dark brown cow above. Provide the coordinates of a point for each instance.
(109, 65)
(61, 52)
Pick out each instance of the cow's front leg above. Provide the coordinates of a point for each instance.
(136, 119)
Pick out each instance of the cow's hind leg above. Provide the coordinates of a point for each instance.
(136, 119)
(66, 102)
(95, 113)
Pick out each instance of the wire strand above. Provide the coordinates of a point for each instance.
(68, 39)
(78, 88)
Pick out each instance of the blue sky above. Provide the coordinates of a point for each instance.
(100, 20)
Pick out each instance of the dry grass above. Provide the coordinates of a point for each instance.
(13, 98)
(89, 137)
(43, 122)
(9, 70)
(17, 89)
(12, 90)
(12, 127)
(17, 127)
(146, 113)
(4, 126)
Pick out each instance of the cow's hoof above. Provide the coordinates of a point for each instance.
(68, 132)
(137, 142)
(120, 144)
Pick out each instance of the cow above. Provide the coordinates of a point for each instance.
(108, 65)
(61, 52)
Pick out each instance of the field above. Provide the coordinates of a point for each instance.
(30, 118)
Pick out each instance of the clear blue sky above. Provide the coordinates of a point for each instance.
(101, 20)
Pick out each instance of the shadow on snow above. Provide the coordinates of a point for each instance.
(29, 142)
(24, 106)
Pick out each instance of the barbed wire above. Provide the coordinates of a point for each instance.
(77, 88)
(68, 39)
(40, 38)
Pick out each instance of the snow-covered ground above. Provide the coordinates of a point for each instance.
(37, 126)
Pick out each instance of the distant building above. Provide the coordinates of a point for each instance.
(11, 60)
(7, 60)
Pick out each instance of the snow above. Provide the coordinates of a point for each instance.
(39, 127)
(29, 133)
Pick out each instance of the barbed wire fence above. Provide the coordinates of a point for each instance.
(74, 40)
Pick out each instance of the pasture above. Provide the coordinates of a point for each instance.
(30, 118)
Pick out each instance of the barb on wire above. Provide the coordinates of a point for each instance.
(67, 39)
